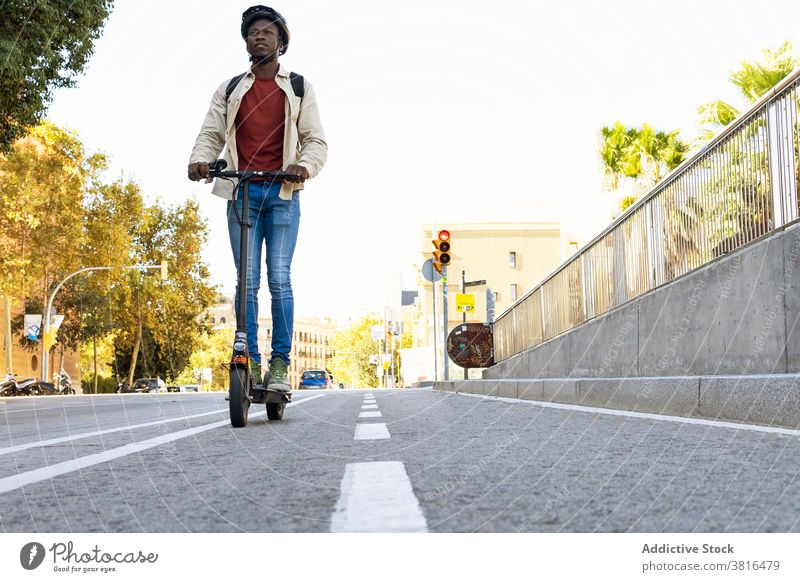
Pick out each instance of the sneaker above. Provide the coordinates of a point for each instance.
(278, 379)
(255, 371)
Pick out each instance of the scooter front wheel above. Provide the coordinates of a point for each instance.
(238, 403)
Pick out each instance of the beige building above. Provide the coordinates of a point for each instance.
(511, 257)
(311, 338)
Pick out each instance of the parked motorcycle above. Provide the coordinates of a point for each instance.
(8, 387)
(28, 387)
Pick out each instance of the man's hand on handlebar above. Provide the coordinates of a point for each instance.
(300, 171)
(209, 171)
(198, 171)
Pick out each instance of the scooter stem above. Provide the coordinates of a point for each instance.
(244, 230)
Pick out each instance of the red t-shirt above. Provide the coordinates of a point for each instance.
(259, 127)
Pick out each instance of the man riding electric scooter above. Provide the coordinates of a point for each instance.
(269, 121)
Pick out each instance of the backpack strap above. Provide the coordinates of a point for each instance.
(298, 85)
(232, 85)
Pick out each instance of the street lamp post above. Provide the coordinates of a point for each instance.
(46, 318)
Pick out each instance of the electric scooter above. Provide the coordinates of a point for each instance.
(244, 389)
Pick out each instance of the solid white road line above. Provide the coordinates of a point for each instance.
(369, 407)
(30, 477)
(84, 435)
(377, 497)
(647, 415)
(66, 404)
(372, 431)
(370, 414)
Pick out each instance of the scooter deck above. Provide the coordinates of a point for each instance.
(262, 395)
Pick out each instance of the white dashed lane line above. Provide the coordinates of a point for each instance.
(371, 431)
(377, 497)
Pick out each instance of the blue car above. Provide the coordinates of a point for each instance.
(315, 380)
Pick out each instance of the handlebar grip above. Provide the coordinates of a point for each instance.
(218, 165)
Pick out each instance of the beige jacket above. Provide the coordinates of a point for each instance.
(303, 139)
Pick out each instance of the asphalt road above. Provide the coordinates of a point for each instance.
(412, 460)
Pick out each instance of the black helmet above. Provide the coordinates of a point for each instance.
(256, 12)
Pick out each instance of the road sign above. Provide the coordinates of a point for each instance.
(465, 302)
(471, 345)
(475, 283)
(429, 272)
(33, 325)
(376, 331)
(374, 359)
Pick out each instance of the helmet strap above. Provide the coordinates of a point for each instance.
(264, 60)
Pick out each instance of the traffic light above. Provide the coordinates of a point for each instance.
(164, 270)
(441, 256)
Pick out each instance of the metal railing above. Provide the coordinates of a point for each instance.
(741, 186)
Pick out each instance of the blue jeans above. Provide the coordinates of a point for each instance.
(275, 222)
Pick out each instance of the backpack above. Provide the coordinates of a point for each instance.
(298, 85)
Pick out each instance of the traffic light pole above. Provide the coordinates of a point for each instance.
(444, 318)
(464, 313)
(435, 351)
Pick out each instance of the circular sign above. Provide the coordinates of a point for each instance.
(429, 272)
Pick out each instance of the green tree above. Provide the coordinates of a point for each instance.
(43, 179)
(42, 183)
(638, 158)
(213, 351)
(44, 45)
(753, 80)
(112, 215)
(58, 216)
(352, 348)
(160, 320)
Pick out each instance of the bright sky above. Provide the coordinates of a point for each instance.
(434, 112)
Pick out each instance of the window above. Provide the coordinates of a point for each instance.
(222, 320)
(513, 292)
(213, 320)
(512, 260)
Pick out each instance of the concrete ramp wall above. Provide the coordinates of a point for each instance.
(720, 342)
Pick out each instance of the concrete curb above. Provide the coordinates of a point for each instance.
(765, 399)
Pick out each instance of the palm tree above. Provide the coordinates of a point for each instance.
(641, 155)
(753, 80)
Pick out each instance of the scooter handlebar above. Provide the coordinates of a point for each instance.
(217, 170)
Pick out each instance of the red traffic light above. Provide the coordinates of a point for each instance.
(441, 256)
